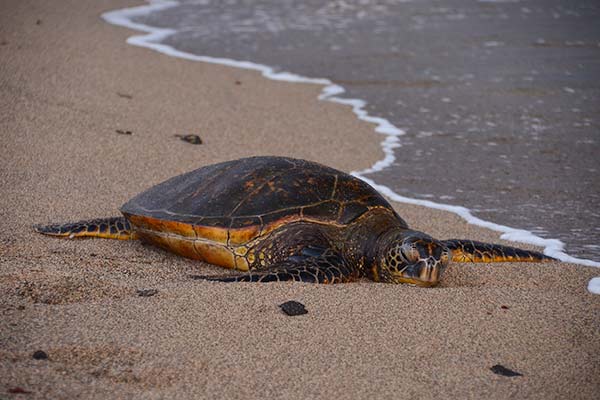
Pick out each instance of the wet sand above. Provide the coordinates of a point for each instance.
(69, 82)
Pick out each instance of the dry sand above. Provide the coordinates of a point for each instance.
(68, 82)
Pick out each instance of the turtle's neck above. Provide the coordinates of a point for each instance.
(365, 236)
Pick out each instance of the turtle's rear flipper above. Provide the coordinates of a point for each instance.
(471, 251)
(108, 228)
(328, 267)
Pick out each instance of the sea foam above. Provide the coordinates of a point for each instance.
(331, 92)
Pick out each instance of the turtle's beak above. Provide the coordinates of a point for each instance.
(422, 273)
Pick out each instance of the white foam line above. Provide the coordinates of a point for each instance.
(594, 285)
(330, 91)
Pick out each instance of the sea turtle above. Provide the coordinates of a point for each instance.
(282, 219)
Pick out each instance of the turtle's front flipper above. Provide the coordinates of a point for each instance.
(107, 228)
(328, 267)
(471, 251)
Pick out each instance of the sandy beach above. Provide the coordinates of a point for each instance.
(69, 82)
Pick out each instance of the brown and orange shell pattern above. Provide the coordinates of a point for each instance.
(215, 212)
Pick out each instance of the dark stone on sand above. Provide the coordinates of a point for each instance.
(17, 390)
(40, 355)
(146, 292)
(502, 370)
(293, 308)
(192, 139)
(122, 132)
(125, 95)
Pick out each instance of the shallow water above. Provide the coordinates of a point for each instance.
(499, 99)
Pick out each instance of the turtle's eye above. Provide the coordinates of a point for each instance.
(409, 253)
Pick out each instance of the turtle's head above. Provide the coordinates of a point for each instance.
(412, 257)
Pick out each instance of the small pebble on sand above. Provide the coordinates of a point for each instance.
(192, 139)
(293, 308)
(146, 292)
(40, 355)
(502, 370)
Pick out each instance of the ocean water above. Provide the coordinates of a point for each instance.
(499, 100)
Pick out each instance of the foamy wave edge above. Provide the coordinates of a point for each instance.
(152, 37)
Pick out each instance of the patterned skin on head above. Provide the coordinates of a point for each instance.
(414, 258)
